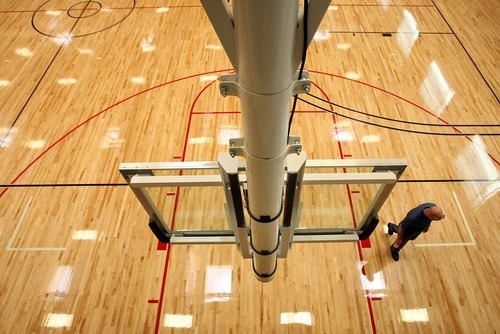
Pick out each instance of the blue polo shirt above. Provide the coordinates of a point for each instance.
(416, 221)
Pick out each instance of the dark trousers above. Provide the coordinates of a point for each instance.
(394, 228)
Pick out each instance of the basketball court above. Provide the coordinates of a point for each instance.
(87, 86)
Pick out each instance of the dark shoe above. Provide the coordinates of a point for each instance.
(389, 230)
(394, 253)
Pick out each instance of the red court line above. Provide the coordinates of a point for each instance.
(405, 100)
(184, 151)
(366, 243)
(99, 114)
(215, 112)
(351, 204)
(152, 301)
(163, 282)
(172, 226)
(367, 292)
(200, 6)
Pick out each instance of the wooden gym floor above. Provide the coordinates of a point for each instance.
(87, 85)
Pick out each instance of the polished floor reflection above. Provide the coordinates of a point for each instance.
(86, 86)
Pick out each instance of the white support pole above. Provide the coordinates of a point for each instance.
(265, 35)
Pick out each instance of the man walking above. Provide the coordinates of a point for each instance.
(417, 220)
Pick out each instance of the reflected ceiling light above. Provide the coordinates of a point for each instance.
(4, 83)
(407, 32)
(204, 78)
(344, 136)
(61, 280)
(321, 36)
(85, 235)
(113, 133)
(218, 279)
(6, 136)
(36, 144)
(162, 10)
(370, 139)
(178, 321)
(475, 156)
(53, 12)
(226, 132)
(147, 43)
(342, 124)
(218, 283)
(343, 46)
(373, 284)
(67, 81)
(296, 318)
(112, 138)
(85, 51)
(63, 39)
(24, 52)
(413, 315)
(58, 320)
(352, 75)
(213, 47)
(490, 191)
(148, 48)
(333, 7)
(435, 90)
(5, 141)
(138, 80)
(480, 147)
(200, 140)
(385, 3)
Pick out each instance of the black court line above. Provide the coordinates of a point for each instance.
(131, 9)
(39, 81)
(68, 185)
(466, 51)
(448, 181)
(457, 132)
(386, 33)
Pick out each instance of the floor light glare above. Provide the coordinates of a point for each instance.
(296, 318)
(178, 321)
(205, 78)
(36, 144)
(138, 80)
(58, 320)
(67, 81)
(84, 235)
(414, 315)
(218, 281)
(200, 140)
(24, 52)
(162, 10)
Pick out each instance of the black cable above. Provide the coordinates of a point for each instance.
(397, 129)
(304, 52)
(400, 121)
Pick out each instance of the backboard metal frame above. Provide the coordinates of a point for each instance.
(141, 175)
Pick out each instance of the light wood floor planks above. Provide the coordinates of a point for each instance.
(85, 86)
